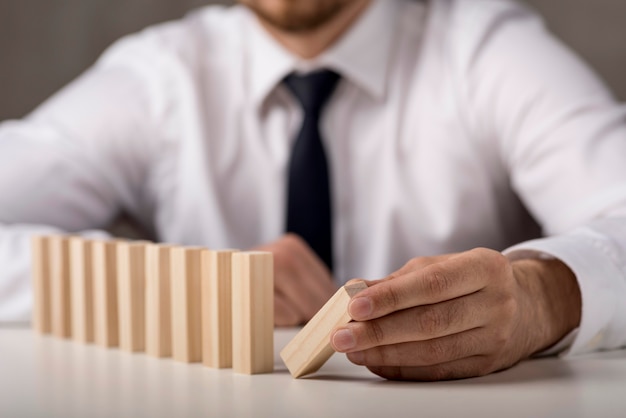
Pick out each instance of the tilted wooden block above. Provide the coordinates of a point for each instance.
(186, 310)
(253, 312)
(40, 268)
(310, 348)
(158, 308)
(60, 286)
(106, 331)
(131, 282)
(81, 284)
(217, 348)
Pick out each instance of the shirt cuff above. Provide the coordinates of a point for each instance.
(589, 255)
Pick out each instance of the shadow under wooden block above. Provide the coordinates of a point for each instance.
(253, 312)
(60, 286)
(81, 284)
(40, 270)
(158, 305)
(186, 311)
(131, 282)
(106, 331)
(311, 348)
(217, 347)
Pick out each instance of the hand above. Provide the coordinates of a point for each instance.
(302, 283)
(460, 315)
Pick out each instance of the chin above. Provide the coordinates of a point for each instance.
(296, 15)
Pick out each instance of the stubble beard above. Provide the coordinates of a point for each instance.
(297, 19)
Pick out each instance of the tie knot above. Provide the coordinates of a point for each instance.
(314, 89)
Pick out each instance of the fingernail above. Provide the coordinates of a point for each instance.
(357, 357)
(343, 340)
(360, 308)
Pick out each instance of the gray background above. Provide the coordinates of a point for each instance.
(46, 43)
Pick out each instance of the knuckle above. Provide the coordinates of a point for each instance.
(437, 353)
(414, 263)
(390, 297)
(294, 242)
(390, 373)
(375, 333)
(377, 356)
(418, 263)
(290, 238)
(489, 364)
(495, 259)
(430, 321)
(281, 253)
(485, 253)
(499, 339)
(509, 306)
(442, 373)
(437, 281)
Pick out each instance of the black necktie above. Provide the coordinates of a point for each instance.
(308, 194)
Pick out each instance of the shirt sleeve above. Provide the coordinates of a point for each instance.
(75, 163)
(561, 139)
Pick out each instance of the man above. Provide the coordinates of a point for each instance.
(395, 137)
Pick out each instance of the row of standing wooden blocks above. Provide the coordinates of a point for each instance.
(189, 303)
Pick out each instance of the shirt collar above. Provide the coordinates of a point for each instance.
(361, 55)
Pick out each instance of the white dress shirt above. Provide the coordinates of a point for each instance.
(457, 124)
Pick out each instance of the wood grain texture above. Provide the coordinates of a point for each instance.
(106, 331)
(310, 348)
(40, 269)
(186, 300)
(81, 285)
(60, 286)
(158, 306)
(217, 347)
(253, 312)
(131, 282)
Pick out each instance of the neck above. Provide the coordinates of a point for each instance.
(310, 44)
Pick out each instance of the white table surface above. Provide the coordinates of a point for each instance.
(48, 377)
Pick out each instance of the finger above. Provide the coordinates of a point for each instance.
(369, 283)
(426, 353)
(418, 263)
(415, 324)
(415, 264)
(455, 277)
(458, 369)
(284, 314)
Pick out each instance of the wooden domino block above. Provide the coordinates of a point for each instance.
(60, 286)
(40, 262)
(217, 348)
(158, 309)
(311, 348)
(186, 310)
(131, 282)
(106, 331)
(253, 312)
(81, 285)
